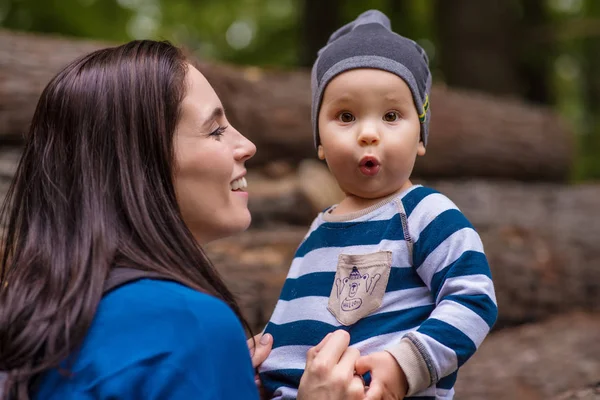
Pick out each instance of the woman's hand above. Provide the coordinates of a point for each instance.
(259, 354)
(329, 372)
(263, 343)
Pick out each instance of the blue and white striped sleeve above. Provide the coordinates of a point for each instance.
(448, 256)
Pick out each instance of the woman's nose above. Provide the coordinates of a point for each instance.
(244, 149)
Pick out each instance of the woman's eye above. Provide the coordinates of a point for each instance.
(218, 132)
(346, 117)
(391, 116)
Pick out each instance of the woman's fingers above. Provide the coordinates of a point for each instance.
(332, 347)
(329, 373)
(313, 351)
(322, 343)
(356, 388)
(375, 392)
(260, 348)
(252, 343)
(348, 360)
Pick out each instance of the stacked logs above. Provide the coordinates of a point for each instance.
(503, 162)
(472, 135)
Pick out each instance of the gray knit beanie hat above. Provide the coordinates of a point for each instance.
(368, 42)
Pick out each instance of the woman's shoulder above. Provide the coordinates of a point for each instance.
(163, 336)
(151, 318)
(165, 306)
(159, 296)
(161, 323)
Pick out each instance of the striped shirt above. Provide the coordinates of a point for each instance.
(409, 269)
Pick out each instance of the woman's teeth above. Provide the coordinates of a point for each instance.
(239, 184)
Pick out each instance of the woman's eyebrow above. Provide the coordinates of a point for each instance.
(218, 112)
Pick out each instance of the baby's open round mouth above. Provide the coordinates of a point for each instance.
(369, 164)
(369, 161)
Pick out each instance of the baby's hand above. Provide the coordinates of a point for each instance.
(388, 381)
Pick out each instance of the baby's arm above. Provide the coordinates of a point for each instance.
(448, 256)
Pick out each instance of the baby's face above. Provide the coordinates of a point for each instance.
(370, 132)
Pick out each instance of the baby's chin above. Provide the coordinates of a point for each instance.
(375, 194)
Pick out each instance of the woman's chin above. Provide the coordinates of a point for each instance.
(233, 224)
(247, 221)
(237, 223)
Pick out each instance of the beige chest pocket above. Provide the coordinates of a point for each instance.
(359, 285)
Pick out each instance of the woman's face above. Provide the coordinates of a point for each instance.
(209, 164)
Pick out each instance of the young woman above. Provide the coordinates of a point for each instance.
(130, 162)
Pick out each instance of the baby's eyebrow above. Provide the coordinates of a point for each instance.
(394, 97)
(341, 100)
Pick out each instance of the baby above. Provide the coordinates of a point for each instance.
(395, 264)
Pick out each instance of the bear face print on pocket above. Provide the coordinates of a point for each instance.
(359, 285)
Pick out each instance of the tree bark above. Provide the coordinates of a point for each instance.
(254, 265)
(535, 56)
(535, 362)
(591, 84)
(401, 17)
(589, 392)
(472, 135)
(476, 47)
(319, 20)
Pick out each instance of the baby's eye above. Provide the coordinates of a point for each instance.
(391, 116)
(346, 117)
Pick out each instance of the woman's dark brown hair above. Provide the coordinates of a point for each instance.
(93, 190)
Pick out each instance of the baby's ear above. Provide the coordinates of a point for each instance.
(421, 149)
(321, 152)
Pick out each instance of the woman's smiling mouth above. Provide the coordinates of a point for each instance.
(239, 184)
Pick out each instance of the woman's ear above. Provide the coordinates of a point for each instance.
(421, 149)
(321, 152)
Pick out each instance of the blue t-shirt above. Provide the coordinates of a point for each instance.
(153, 340)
